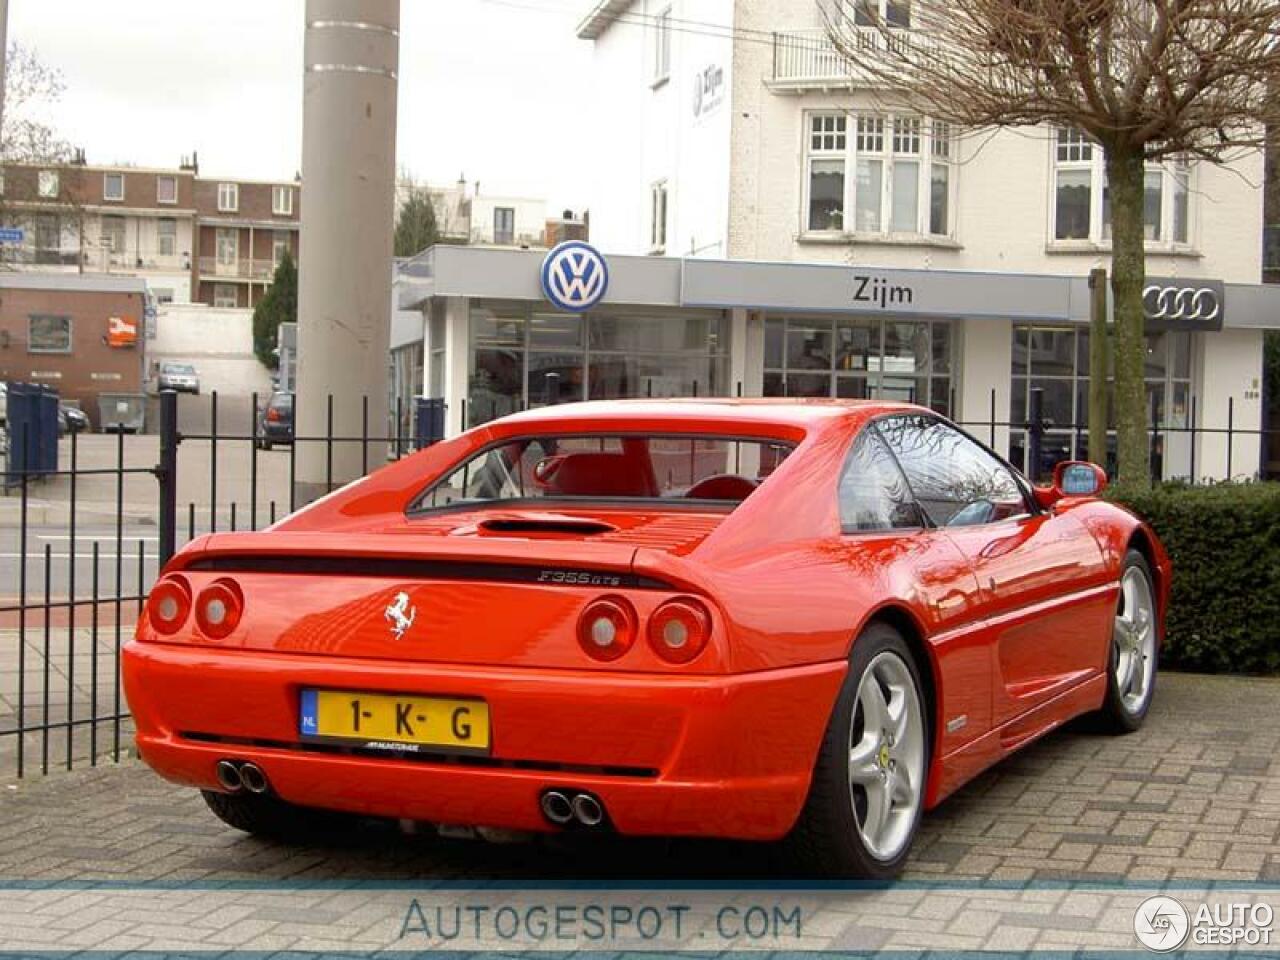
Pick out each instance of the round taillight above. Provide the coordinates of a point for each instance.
(218, 608)
(169, 603)
(607, 628)
(679, 630)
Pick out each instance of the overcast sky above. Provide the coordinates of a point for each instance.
(150, 80)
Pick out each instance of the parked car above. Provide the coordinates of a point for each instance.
(769, 620)
(181, 377)
(4, 404)
(275, 420)
(71, 419)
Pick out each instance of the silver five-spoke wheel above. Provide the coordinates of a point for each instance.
(1134, 640)
(886, 756)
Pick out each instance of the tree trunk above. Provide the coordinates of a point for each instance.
(1125, 175)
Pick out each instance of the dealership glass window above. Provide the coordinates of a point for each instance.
(1082, 199)
(224, 295)
(883, 173)
(282, 200)
(859, 358)
(166, 236)
(521, 357)
(504, 225)
(658, 217)
(113, 186)
(47, 183)
(47, 333)
(166, 189)
(113, 235)
(228, 197)
(1056, 361)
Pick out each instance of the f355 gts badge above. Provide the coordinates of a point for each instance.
(400, 614)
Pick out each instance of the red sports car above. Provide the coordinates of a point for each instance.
(808, 620)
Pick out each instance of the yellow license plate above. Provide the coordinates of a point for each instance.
(394, 722)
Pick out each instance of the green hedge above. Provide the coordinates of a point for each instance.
(1224, 541)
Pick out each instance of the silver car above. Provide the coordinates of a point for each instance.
(181, 377)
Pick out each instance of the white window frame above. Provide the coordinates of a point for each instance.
(1172, 171)
(506, 240)
(881, 7)
(161, 236)
(160, 196)
(659, 216)
(220, 300)
(107, 177)
(122, 235)
(47, 183)
(228, 197)
(886, 138)
(220, 248)
(660, 54)
(282, 200)
(280, 242)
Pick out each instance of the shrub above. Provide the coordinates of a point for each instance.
(1224, 541)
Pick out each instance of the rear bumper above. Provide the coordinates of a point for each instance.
(726, 756)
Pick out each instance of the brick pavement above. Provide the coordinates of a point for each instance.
(1193, 798)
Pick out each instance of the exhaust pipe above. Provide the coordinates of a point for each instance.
(556, 807)
(588, 810)
(254, 780)
(229, 776)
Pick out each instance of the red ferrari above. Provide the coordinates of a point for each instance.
(808, 620)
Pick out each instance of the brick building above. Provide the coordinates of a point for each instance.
(243, 228)
(80, 334)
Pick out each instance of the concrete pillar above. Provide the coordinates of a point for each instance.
(351, 57)
(984, 362)
(457, 363)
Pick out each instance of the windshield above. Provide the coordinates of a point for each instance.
(609, 467)
(182, 368)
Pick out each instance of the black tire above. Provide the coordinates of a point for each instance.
(825, 839)
(266, 444)
(1115, 717)
(272, 818)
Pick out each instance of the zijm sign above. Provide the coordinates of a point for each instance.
(708, 90)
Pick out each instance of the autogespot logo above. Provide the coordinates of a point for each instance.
(574, 276)
(1161, 924)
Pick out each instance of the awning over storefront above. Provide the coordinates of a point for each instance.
(1188, 303)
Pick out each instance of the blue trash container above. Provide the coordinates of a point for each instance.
(428, 421)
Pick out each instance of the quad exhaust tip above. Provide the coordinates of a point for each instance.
(565, 808)
(234, 776)
(229, 776)
(254, 780)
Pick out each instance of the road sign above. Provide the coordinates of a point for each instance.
(11, 234)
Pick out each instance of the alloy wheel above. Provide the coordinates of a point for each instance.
(1134, 640)
(886, 756)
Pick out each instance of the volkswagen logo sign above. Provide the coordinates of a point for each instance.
(574, 276)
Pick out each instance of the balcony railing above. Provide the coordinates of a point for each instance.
(808, 58)
(241, 268)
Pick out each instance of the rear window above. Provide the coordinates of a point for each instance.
(609, 467)
(282, 402)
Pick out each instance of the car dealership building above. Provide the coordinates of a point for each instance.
(969, 344)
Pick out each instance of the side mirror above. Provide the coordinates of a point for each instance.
(1078, 478)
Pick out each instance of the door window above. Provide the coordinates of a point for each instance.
(955, 481)
(873, 493)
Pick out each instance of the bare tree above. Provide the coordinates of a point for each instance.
(1147, 80)
(43, 175)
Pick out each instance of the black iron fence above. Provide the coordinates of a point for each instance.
(81, 542)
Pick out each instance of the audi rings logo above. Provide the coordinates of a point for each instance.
(1181, 303)
(574, 276)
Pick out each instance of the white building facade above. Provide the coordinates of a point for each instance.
(731, 130)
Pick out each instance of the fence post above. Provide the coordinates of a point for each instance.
(1035, 430)
(1231, 417)
(167, 474)
(1194, 478)
(992, 444)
